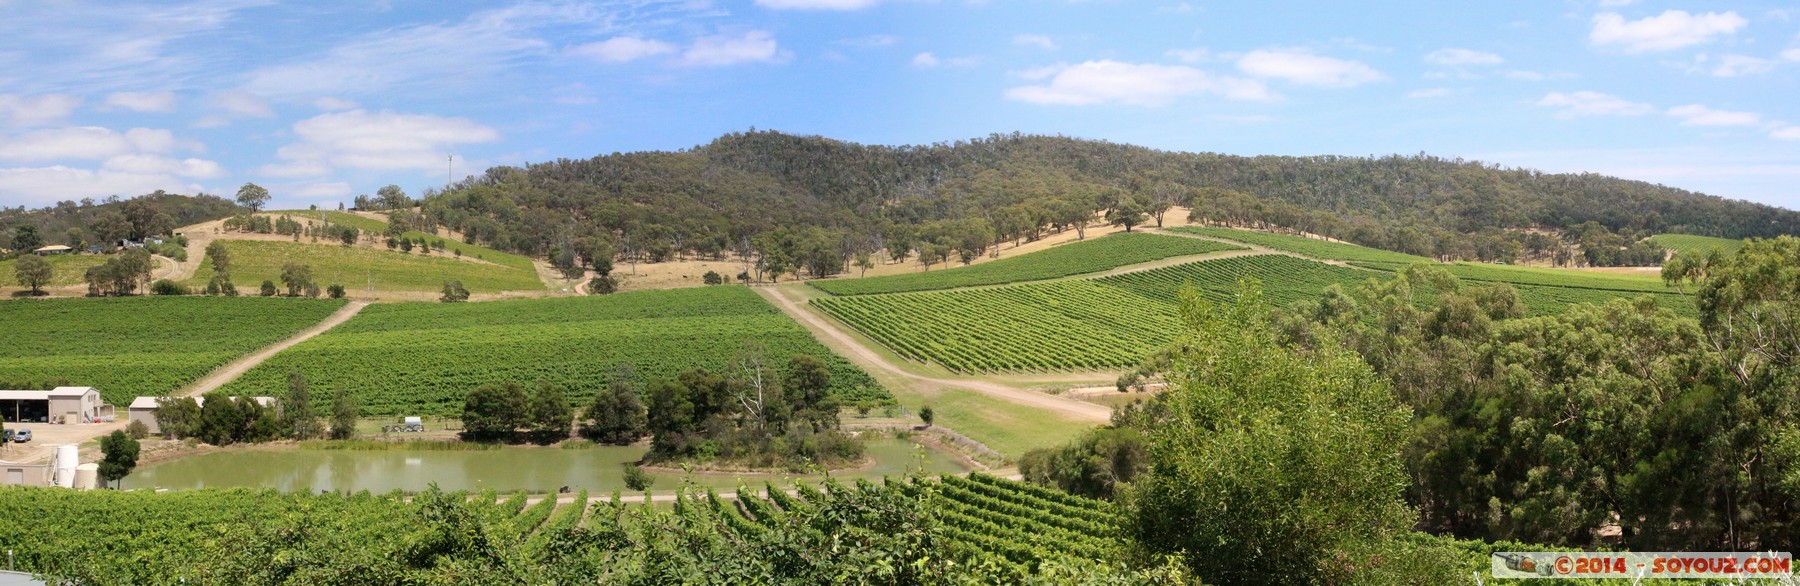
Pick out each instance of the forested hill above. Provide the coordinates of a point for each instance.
(744, 184)
(71, 223)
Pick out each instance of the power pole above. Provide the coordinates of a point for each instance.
(449, 162)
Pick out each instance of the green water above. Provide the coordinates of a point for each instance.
(599, 470)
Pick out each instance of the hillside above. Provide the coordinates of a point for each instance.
(1680, 243)
(113, 218)
(971, 194)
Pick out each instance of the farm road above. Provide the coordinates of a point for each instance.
(834, 336)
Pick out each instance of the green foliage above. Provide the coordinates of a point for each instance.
(1094, 465)
(119, 455)
(421, 358)
(33, 271)
(1088, 256)
(637, 479)
(1273, 466)
(616, 415)
(167, 287)
(927, 415)
(343, 415)
(494, 410)
(267, 289)
(454, 292)
(108, 343)
(255, 260)
(252, 196)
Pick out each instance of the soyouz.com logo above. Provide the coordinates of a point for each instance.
(1637, 564)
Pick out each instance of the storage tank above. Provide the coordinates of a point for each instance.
(87, 476)
(67, 457)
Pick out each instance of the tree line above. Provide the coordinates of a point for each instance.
(812, 206)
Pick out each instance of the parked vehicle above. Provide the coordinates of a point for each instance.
(20, 436)
(414, 424)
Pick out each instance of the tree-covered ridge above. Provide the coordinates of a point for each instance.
(718, 196)
(90, 222)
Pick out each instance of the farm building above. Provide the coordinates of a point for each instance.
(144, 409)
(62, 404)
(53, 250)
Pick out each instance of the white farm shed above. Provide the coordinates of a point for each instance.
(144, 409)
(65, 404)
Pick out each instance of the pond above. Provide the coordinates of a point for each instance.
(599, 469)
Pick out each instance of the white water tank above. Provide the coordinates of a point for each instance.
(67, 457)
(87, 476)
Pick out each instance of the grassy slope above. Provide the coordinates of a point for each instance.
(451, 246)
(134, 346)
(421, 358)
(1089, 256)
(1682, 243)
(253, 261)
(67, 269)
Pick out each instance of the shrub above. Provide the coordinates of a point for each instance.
(167, 287)
(268, 289)
(137, 430)
(637, 479)
(336, 291)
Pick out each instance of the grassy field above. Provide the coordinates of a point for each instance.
(134, 346)
(451, 246)
(253, 261)
(421, 358)
(65, 269)
(1683, 243)
(1304, 246)
(1088, 256)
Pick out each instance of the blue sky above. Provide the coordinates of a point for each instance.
(321, 101)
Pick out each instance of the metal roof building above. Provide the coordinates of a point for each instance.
(65, 404)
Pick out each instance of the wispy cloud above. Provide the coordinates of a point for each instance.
(17, 110)
(1587, 103)
(1040, 41)
(721, 50)
(816, 4)
(1698, 115)
(927, 60)
(142, 101)
(1102, 82)
(1673, 29)
(1305, 68)
(360, 139)
(1454, 57)
(622, 49)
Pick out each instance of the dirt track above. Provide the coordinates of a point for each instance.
(236, 368)
(834, 336)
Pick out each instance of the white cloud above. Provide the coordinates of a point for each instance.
(1427, 93)
(1099, 82)
(1698, 115)
(142, 101)
(159, 165)
(331, 104)
(43, 185)
(1528, 75)
(17, 110)
(816, 4)
(1787, 133)
(715, 51)
(1463, 57)
(1673, 29)
(1791, 54)
(927, 60)
(1740, 65)
(1307, 69)
(87, 143)
(436, 56)
(317, 191)
(240, 104)
(622, 49)
(374, 140)
(1592, 104)
(870, 41)
(1039, 41)
(1616, 3)
(1194, 55)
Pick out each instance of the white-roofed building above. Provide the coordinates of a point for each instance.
(61, 404)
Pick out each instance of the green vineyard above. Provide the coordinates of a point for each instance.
(977, 527)
(132, 346)
(66, 269)
(1061, 325)
(1301, 245)
(1106, 323)
(1078, 258)
(1681, 243)
(421, 358)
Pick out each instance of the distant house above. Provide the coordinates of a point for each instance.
(53, 250)
(96, 249)
(128, 243)
(64, 404)
(144, 409)
(156, 240)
